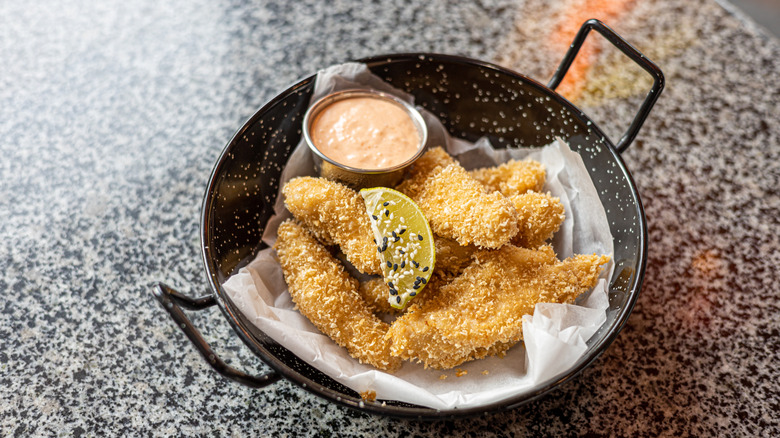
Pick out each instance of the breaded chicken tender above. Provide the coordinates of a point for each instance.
(514, 177)
(436, 158)
(425, 346)
(481, 311)
(374, 292)
(539, 216)
(452, 257)
(458, 208)
(328, 296)
(336, 215)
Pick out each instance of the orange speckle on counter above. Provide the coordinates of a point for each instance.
(562, 36)
(709, 272)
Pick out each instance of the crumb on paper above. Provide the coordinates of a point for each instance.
(460, 372)
(442, 377)
(485, 372)
(368, 395)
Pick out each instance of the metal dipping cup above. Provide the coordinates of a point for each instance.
(353, 177)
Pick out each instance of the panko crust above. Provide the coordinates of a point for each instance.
(451, 257)
(434, 159)
(335, 215)
(374, 292)
(539, 216)
(458, 208)
(514, 177)
(328, 297)
(481, 310)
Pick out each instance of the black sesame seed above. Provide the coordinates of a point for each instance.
(389, 264)
(398, 300)
(403, 263)
(395, 235)
(390, 283)
(375, 217)
(416, 265)
(401, 251)
(374, 241)
(384, 239)
(411, 294)
(402, 231)
(423, 280)
(384, 247)
(387, 212)
(416, 286)
(379, 248)
(419, 237)
(393, 292)
(425, 269)
(386, 203)
(395, 266)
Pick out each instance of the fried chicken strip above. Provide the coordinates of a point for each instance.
(481, 310)
(459, 208)
(328, 296)
(433, 351)
(436, 158)
(514, 177)
(539, 216)
(375, 293)
(451, 257)
(336, 215)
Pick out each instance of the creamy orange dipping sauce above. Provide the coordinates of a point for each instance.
(365, 133)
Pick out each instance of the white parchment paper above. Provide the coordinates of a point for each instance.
(555, 335)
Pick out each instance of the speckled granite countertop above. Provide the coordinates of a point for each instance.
(112, 115)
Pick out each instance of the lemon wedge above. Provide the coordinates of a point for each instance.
(404, 242)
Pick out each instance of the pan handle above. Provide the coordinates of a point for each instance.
(627, 49)
(172, 302)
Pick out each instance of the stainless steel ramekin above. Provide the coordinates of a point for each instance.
(352, 176)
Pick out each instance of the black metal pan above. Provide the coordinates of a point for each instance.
(242, 190)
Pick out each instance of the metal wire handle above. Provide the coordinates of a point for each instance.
(172, 302)
(627, 49)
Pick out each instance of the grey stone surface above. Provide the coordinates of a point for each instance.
(112, 115)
